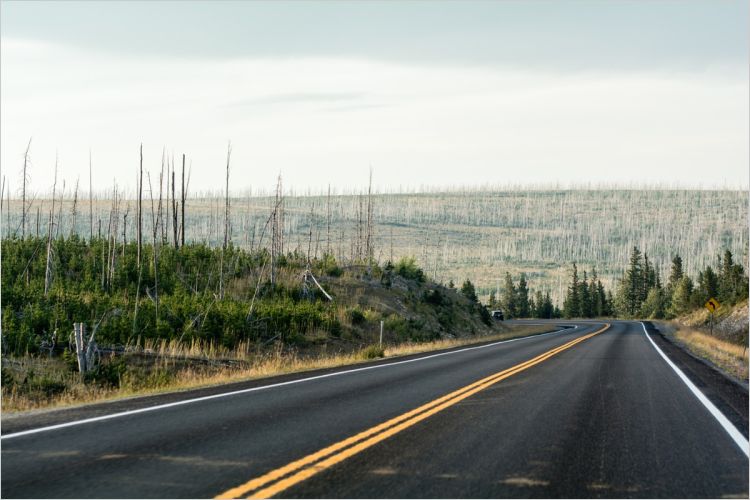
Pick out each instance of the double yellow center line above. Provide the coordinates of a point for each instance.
(280, 479)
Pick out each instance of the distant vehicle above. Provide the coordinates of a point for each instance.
(498, 315)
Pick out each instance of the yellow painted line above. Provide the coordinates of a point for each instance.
(316, 462)
(278, 473)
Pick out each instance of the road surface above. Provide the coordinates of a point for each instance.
(589, 411)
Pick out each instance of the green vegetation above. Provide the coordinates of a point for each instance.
(640, 293)
(197, 293)
(196, 304)
(454, 235)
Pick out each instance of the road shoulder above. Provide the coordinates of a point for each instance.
(727, 394)
(21, 421)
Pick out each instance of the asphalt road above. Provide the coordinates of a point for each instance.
(557, 415)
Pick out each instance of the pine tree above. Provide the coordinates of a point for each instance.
(648, 279)
(508, 300)
(681, 302)
(653, 306)
(572, 303)
(585, 297)
(634, 283)
(708, 285)
(601, 300)
(675, 274)
(469, 291)
(539, 303)
(609, 309)
(733, 283)
(522, 298)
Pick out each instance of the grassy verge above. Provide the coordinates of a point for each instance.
(39, 382)
(728, 356)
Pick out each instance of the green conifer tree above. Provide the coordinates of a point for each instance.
(572, 302)
(522, 298)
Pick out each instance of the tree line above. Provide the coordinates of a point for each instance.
(642, 293)
(639, 293)
(520, 302)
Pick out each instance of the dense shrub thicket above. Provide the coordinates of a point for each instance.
(195, 297)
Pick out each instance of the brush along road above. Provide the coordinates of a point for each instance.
(587, 412)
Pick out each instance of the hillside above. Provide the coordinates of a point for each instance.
(475, 234)
(724, 345)
(200, 315)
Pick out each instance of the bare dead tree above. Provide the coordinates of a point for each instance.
(168, 219)
(139, 228)
(159, 218)
(174, 213)
(277, 229)
(91, 203)
(182, 207)
(59, 211)
(369, 240)
(226, 199)
(309, 240)
(328, 221)
(226, 226)
(74, 211)
(154, 232)
(125, 230)
(24, 179)
(105, 260)
(115, 228)
(360, 228)
(48, 268)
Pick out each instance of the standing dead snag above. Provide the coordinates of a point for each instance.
(24, 179)
(368, 243)
(226, 226)
(174, 213)
(139, 227)
(74, 211)
(48, 268)
(226, 199)
(154, 232)
(182, 208)
(277, 229)
(91, 204)
(328, 218)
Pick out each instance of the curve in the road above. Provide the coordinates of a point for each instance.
(278, 480)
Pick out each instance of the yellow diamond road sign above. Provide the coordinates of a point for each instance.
(712, 304)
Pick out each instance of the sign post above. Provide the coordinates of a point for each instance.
(381, 334)
(712, 305)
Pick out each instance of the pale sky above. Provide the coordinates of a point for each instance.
(427, 93)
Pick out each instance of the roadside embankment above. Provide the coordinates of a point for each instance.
(726, 348)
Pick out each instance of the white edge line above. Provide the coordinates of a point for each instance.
(253, 389)
(738, 438)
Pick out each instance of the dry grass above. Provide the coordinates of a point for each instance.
(732, 358)
(514, 332)
(168, 374)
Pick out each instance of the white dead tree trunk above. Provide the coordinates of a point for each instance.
(155, 232)
(48, 268)
(91, 203)
(74, 211)
(25, 179)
